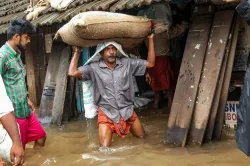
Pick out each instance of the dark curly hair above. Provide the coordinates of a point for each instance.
(19, 26)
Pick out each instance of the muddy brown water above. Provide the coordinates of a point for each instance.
(76, 144)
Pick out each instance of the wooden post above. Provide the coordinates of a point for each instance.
(50, 79)
(38, 45)
(36, 68)
(61, 85)
(68, 104)
(30, 68)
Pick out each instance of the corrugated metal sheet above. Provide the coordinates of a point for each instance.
(8, 18)
(6, 2)
(3, 28)
(18, 8)
(15, 9)
(46, 19)
(120, 5)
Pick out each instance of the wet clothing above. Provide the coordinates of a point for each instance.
(122, 128)
(30, 129)
(244, 10)
(13, 73)
(114, 90)
(162, 75)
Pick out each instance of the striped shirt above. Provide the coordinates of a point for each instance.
(13, 73)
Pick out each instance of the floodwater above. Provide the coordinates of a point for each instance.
(76, 144)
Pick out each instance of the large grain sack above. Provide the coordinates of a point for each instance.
(94, 27)
(5, 144)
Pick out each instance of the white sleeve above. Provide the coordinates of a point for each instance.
(5, 103)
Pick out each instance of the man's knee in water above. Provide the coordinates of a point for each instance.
(40, 143)
(105, 135)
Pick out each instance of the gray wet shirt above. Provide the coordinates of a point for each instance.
(114, 90)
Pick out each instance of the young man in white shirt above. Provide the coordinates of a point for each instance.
(8, 120)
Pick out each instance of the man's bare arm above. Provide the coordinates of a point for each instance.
(232, 1)
(73, 70)
(151, 51)
(17, 153)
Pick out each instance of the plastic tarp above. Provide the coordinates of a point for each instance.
(244, 10)
(141, 101)
(60, 4)
(243, 116)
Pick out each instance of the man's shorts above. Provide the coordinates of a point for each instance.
(122, 128)
(30, 129)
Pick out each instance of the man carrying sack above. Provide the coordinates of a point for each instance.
(162, 74)
(112, 73)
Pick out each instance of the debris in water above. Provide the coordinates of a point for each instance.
(47, 162)
(87, 156)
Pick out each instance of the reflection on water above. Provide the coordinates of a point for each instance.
(76, 144)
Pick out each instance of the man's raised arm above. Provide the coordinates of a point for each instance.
(73, 70)
(151, 51)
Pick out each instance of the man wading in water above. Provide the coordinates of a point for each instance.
(13, 73)
(112, 76)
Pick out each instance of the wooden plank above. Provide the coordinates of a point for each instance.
(78, 96)
(204, 10)
(3, 39)
(30, 68)
(39, 62)
(187, 85)
(68, 107)
(46, 104)
(34, 58)
(61, 85)
(215, 104)
(210, 74)
(48, 43)
(225, 87)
